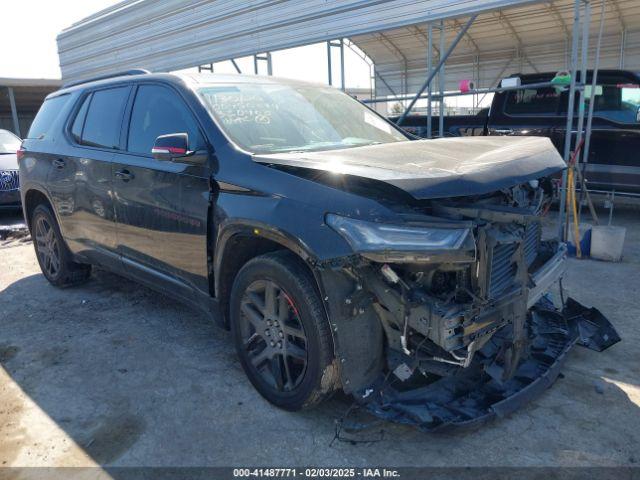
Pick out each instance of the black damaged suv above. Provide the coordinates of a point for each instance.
(339, 252)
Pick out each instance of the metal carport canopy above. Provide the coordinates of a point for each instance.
(526, 39)
(174, 34)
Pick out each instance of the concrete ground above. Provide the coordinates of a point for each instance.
(113, 374)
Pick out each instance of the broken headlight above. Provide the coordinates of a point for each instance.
(384, 242)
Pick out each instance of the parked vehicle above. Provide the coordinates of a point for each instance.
(335, 249)
(613, 163)
(9, 181)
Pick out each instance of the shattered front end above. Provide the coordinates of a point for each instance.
(445, 320)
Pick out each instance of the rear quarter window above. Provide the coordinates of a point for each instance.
(47, 115)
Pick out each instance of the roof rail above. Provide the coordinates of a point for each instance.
(133, 71)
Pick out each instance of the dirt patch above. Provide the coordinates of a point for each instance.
(115, 435)
(53, 356)
(12, 434)
(8, 352)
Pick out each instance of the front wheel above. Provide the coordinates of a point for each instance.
(281, 332)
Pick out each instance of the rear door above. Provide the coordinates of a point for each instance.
(85, 198)
(614, 161)
(162, 206)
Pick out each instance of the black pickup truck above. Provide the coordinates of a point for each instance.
(614, 155)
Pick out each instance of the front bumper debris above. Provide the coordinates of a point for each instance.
(476, 394)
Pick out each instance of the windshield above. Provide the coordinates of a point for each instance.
(268, 118)
(9, 143)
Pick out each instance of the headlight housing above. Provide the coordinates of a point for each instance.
(384, 242)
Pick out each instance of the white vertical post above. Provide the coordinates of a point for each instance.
(570, 109)
(14, 112)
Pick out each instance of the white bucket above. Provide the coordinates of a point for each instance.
(607, 242)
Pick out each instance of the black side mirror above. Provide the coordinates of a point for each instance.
(168, 147)
(174, 147)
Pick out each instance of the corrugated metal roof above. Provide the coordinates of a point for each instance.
(523, 39)
(174, 34)
(509, 35)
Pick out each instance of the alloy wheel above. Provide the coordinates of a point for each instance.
(48, 247)
(273, 336)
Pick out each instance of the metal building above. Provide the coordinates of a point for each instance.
(20, 99)
(508, 35)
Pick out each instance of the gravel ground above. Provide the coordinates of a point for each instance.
(113, 374)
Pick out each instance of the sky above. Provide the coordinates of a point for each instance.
(31, 52)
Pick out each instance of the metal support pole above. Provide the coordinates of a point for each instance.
(235, 65)
(623, 42)
(329, 68)
(443, 59)
(14, 112)
(342, 83)
(429, 69)
(587, 136)
(340, 45)
(586, 23)
(594, 82)
(570, 109)
(441, 80)
(266, 57)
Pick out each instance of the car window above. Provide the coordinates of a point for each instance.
(9, 143)
(269, 118)
(78, 123)
(46, 116)
(619, 103)
(159, 111)
(532, 101)
(104, 118)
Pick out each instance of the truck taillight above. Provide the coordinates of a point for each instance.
(20, 153)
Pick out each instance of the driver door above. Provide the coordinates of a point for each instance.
(161, 206)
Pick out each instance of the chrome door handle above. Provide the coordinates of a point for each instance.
(58, 163)
(124, 175)
(503, 131)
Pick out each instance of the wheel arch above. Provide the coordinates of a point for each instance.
(32, 198)
(238, 242)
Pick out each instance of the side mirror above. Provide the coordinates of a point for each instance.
(168, 147)
(174, 147)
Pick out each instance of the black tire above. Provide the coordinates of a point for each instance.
(53, 256)
(303, 382)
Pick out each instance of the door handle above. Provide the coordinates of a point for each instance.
(124, 175)
(503, 131)
(58, 163)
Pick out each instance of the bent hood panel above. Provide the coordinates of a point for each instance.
(439, 168)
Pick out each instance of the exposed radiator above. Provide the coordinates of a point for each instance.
(503, 268)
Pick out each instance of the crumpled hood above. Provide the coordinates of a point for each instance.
(439, 168)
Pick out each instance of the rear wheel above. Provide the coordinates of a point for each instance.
(281, 332)
(52, 253)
